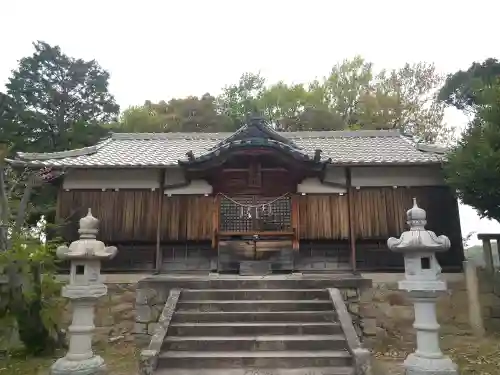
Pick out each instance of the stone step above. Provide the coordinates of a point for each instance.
(260, 359)
(254, 316)
(253, 294)
(255, 343)
(253, 328)
(252, 306)
(257, 371)
(345, 280)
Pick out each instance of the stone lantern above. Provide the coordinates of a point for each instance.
(84, 288)
(422, 281)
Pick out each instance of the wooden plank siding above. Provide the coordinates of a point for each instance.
(323, 217)
(129, 219)
(125, 215)
(132, 215)
(187, 218)
(378, 213)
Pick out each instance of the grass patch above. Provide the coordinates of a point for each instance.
(121, 359)
(473, 356)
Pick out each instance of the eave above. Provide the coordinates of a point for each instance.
(218, 156)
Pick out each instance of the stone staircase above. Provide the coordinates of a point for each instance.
(254, 331)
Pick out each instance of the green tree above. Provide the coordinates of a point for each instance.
(54, 102)
(191, 114)
(417, 111)
(239, 100)
(405, 99)
(66, 98)
(343, 89)
(463, 89)
(312, 119)
(139, 119)
(473, 167)
(194, 114)
(29, 263)
(352, 96)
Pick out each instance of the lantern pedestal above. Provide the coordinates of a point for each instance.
(84, 289)
(91, 366)
(422, 282)
(416, 365)
(428, 358)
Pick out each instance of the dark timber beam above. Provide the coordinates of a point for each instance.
(351, 215)
(159, 253)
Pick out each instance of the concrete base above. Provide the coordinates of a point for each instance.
(91, 366)
(415, 365)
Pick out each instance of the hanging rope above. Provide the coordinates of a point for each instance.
(246, 209)
(254, 205)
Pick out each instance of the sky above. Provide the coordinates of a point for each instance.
(161, 49)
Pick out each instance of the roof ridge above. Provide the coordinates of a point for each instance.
(362, 147)
(224, 135)
(172, 135)
(424, 146)
(345, 133)
(89, 150)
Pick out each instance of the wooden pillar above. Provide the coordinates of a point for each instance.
(295, 221)
(215, 220)
(488, 255)
(159, 253)
(216, 227)
(59, 200)
(351, 215)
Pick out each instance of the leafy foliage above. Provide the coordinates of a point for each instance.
(473, 168)
(59, 102)
(54, 102)
(139, 119)
(191, 114)
(37, 313)
(239, 100)
(463, 89)
(29, 264)
(352, 96)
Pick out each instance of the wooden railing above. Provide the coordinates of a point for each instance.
(488, 250)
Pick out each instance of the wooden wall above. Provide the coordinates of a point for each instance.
(132, 215)
(379, 213)
(323, 217)
(187, 218)
(125, 215)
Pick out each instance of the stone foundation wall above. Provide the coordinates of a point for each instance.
(115, 312)
(387, 313)
(489, 299)
(380, 312)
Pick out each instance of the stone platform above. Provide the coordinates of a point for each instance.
(152, 292)
(224, 281)
(274, 323)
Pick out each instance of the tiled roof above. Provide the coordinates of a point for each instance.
(164, 149)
